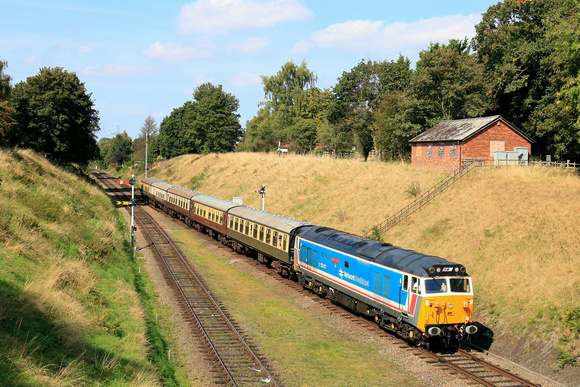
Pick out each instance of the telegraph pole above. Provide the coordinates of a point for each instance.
(133, 210)
(146, 141)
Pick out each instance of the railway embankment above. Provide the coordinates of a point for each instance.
(70, 313)
(515, 229)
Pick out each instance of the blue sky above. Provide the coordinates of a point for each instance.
(141, 58)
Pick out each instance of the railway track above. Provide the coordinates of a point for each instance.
(239, 363)
(459, 361)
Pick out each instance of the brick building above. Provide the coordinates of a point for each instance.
(490, 140)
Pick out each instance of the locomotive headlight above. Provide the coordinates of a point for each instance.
(431, 270)
(457, 270)
(450, 306)
(438, 270)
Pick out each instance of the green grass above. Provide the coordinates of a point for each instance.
(69, 312)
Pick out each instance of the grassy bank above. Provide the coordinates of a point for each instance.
(69, 312)
(515, 229)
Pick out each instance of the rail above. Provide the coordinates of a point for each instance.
(419, 202)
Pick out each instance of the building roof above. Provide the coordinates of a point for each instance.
(461, 130)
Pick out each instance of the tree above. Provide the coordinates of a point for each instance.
(213, 121)
(286, 91)
(171, 132)
(511, 41)
(397, 121)
(55, 116)
(148, 132)
(358, 93)
(209, 123)
(7, 122)
(111, 147)
(5, 80)
(450, 83)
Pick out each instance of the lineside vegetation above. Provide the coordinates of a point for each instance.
(69, 311)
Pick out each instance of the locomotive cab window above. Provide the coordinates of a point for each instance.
(460, 285)
(416, 285)
(436, 285)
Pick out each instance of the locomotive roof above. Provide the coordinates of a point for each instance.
(212, 201)
(385, 254)
(276, 222)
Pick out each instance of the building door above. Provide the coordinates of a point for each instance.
(495, 146)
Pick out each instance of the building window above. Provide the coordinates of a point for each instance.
(452, 150)
(429, 151)
(441, 151)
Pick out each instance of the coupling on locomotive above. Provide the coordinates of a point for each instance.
(420, 297)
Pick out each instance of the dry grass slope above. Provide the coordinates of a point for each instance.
(515, 229)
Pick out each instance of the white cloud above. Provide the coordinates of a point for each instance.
(302, 47)
(254, 44)
(85, 49)
(246, 79)
(174, 52)
(377, 37)
(224, 15)
(115, 70)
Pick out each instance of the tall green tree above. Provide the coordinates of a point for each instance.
(512, 43)
(112, 150)
(56, 117)
(5, 81)
(397, 120)
(207, 124)
(7, 113)
(213, 121)
(450, 83)
(171, 132)
(358, 94)
(286, 92)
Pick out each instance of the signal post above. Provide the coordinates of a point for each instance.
(132, 204)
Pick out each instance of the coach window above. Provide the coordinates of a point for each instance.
(247, 227)
(275, 239)
(255, 233)
(284, 240)
(262, 233)
(268, 236)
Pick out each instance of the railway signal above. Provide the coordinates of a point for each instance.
(132, 204)
(262, 191)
